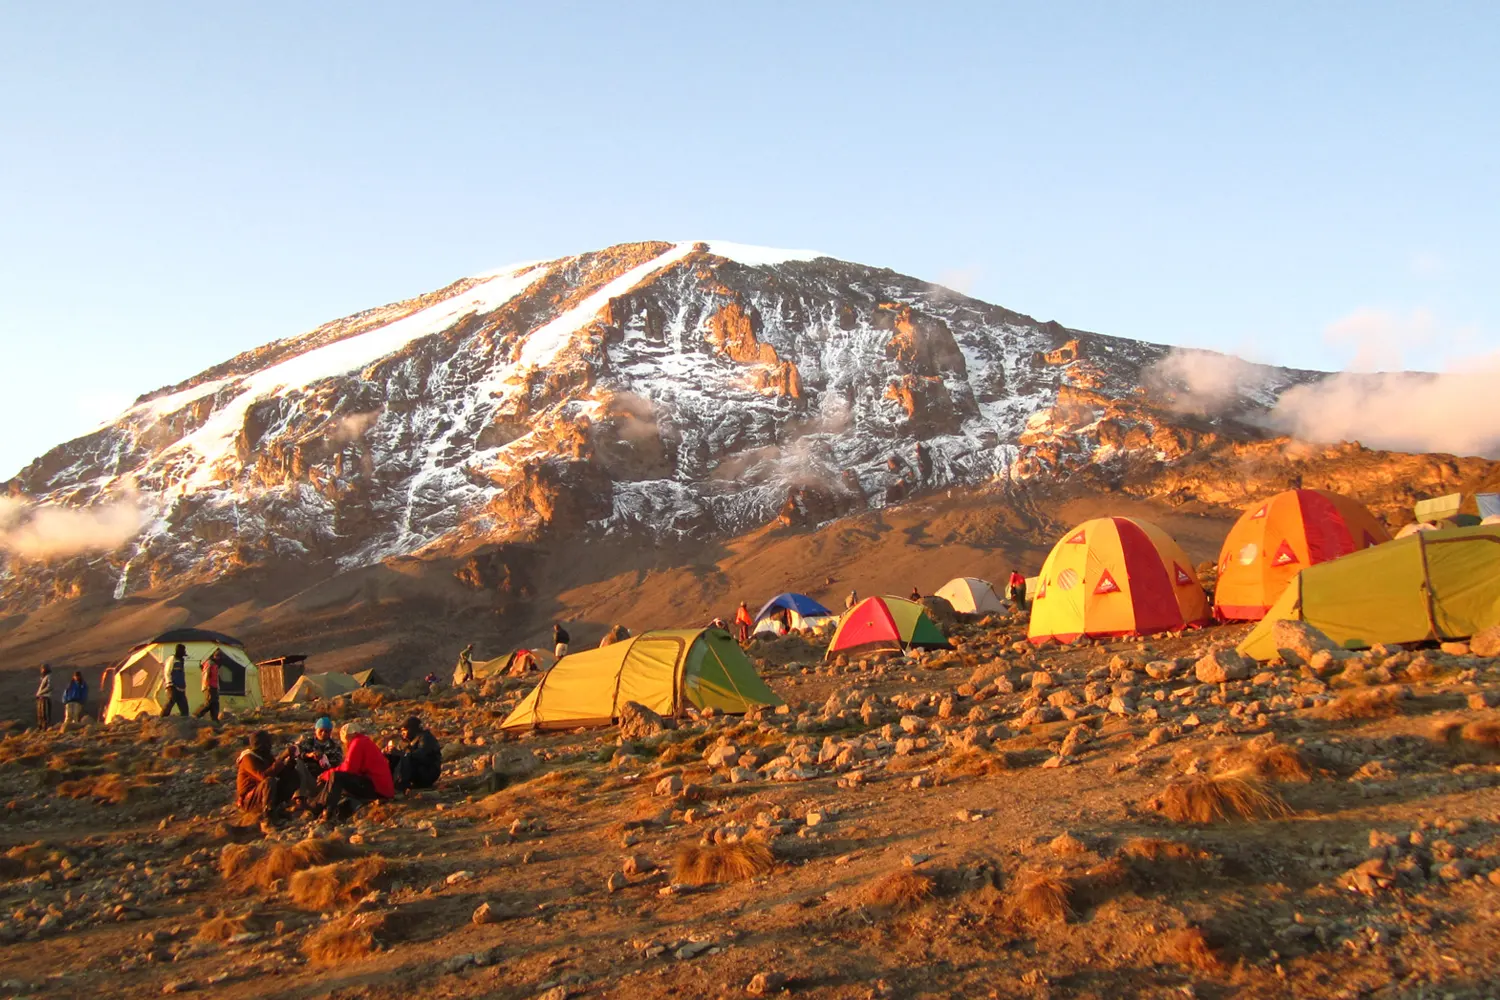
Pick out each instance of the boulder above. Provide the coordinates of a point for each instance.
(940, 611)
(1296, 642)
(1222, 666)
(1486, 643)
(638, 722)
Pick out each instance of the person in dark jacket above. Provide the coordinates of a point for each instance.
(419, 763)
(466, 664)
(315, 754)
(177, 682)
(916, 595)
(560, 641)
(258, 776)
(74, 695)
(44, 698)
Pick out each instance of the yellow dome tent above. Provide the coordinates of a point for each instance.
(140, 684)
(665, 670)
(1434, 585)
(1115, 576)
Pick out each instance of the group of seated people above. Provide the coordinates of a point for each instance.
(329, 777)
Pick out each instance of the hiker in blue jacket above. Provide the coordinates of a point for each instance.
(74, 695)
(177, 682)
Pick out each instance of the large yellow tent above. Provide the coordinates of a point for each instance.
(1429, 585)
(140, 684)
(666, 671)
(1115, 576)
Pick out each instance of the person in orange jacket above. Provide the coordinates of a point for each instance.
(743, 623)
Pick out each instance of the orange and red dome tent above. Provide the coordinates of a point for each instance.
(1276, 538)
(1115, 576)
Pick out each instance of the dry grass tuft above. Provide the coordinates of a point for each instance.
(222, 928)
(1200, 799)
(345, 940)
(109, 789)
(1065, 845)
(1368, 703)
(909, 762)
(720, 863)
(898, 890)
(974, 762)
(1187, 946)
(1040, 898)
(263, 867)
(327, 886)
(1277, 762)
(1152, 849)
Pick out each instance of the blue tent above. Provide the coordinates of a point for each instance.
(805, 612)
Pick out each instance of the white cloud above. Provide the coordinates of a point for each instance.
(43, 531)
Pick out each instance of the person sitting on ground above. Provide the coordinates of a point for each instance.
(362, 774)
(314, 755)
(466, 664)
(420, 762)
(209, 668)
(916, 595)
(258, 786)
(559, 641)
(176, 682)
(74, 695)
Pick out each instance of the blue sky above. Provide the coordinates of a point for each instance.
(181, 183)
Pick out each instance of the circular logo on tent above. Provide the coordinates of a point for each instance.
(1067, 579)
(1248, 554)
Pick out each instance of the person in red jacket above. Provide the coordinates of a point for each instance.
(364, 773)
(1016, 589)
(743, 621)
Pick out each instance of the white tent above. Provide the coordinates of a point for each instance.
(971, 596)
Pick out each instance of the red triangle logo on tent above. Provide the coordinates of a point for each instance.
(1284, 555)
(1041, 590)
(1183, 577)
(1077, 539)
(1259, 513)
(1107, 585)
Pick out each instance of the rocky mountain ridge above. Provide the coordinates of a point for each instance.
(667, 391)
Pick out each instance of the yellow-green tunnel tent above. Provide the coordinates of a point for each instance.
(1430, 585)
(666, 671)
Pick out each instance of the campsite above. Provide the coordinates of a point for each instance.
(1105, 792)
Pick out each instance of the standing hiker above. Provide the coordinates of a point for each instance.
(177, 683)
(210, 669)
(559, 641)
(1015, 589)
(74, 695)
(44, 698)
(466, 664)
(743, 622)
(851, 600)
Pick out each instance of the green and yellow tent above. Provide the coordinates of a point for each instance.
(1431, 585)
(665, 670)
(140, 684)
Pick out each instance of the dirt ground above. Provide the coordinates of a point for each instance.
(988, 822)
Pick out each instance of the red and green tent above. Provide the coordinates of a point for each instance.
(886, 623)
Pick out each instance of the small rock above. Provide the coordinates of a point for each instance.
(765, 982)
(1222, 666)
(457, 877)
(1486, 643)
(638, 722)
(670, 785)
(484, 913)
(616, 882)
(1484, 699)
(180, 986)
(638, 864)
(693, 949)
